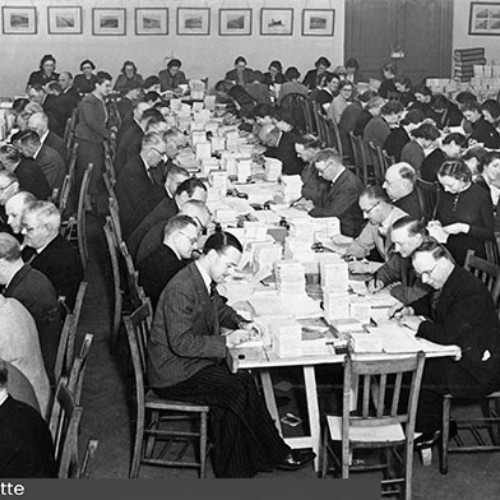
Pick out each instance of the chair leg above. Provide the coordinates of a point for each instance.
(324, 456)
(445, 435)
(203, 444)
(117, 316)
(139, 434)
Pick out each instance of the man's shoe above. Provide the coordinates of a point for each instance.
(427, 440)
(297, 459)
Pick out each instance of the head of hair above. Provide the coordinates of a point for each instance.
(27, 136)
(465, 96)
(87, 62)
(476, 152)
(391, 67)
(487, 158)
(352, 63)
(392, 108)
(263, 109)
(436, 249)
(129, 63)
(406, 171)
(257, 76)
(310, 141)
(177, 223)
(423, 89)
(367, 95)
(174, 63)
(46, 58)
(4, 373)
(151, 139)
(189, 186)
(220, 241)
(240, 59)
(10, 249)
(457, 169)
(152, 115)
(150, 81)
(24, 196)
(322, 61)
(38, 88)
(54, 88)
(103, 76)
(403, 80)
(426, 131)
(375, 193)
(346, 83)
(45, 212)
(19, 104)
(292, 73)
(492, 107)
(328, 154)
(152, 96)
(471, 106)
(224, 86)
(413, 116)
(329, 77)
(439, 101)
(276, 65)
(33, 107)
(413, 226)
(375, 102)
(456, 137)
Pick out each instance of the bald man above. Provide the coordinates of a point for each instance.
(39, 122)
(14, 210)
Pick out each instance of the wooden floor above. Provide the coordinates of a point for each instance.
(107, 409)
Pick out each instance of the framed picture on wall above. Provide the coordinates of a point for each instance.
(235, 22)
(276, 21)
(64, 20)
(318, 22)
(193, 21)
(109, 22)
(484, 19)
(19, 20)
(152, 21)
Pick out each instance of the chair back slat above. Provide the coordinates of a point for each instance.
(381, 395)
(291, 105)
(89, 458)
(396, 393)
(486, 272)
(366, 395)
(61, 364)
(77, 372)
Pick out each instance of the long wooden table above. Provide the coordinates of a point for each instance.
(264, 360)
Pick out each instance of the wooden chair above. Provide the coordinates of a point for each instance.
(69, 131)
(83, 205)
(64, 424)
(109, 161)
(114, 213)
(88, 458)
(334, 137)
(377, 161)
(291, 105)
(307, 109)
(153, 411)
(360, 158)
(378, 422)
(77, 371)
(482, 433)
(428, 194)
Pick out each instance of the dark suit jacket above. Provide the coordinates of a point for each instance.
(27, 450)
(185, 336)
(129, 145)
(451, 117)
(341, 200)
(431, 164)
(165, 210)
(395, 142)
(411, 204)
(169, 82)
(232, 76)
(285, 151)
(55, 113)
(136, 193)
(92, 117)
(465, 315)
(35, 292)
(61, 264)
(55, 142)
(52, 166)
(313, 186)
(496, 210)
(32, 179)
(84, 86)
(151, 241)
(311, 79)
(125, 108)
(364, 117)
(157, 269)
(485, 132)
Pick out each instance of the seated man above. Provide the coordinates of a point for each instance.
(482, 131)
(9, 186)
(459, 312)
(160, 266)
(19, 345)
(340, 199)
(401, 186)
(35, 292)
(137, 188)
(186, 362)
(48, 252)
(39, 122)
(27, 450)
(407, 235)
(381, 215)
(378, 129)
(14, 210)
(281, 145)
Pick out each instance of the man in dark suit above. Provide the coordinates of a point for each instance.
(35, 292)
(38, 94)
(30, 176)
(340, 199)
(68, 99)
(39, 122)
(27, 450)
(158, 268)
(460, 312)
(48, 252)
(14, 210)
(9, 186)
(137, 188)
(281, 145)
(482, 131)
(186, 354)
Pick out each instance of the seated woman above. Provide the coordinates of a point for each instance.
(399, 136)
(239, 101)
(447, 113)
(404, 88)
(389, 72)
(292, 84)
(325, 96)
(464, 211)
(267, 114)
(274, 74)
(46, 73)
(491, 112)
(423, 97)
(85, 82)
(453, 145)
(482, 131)
(257, 89)
(151, 84)
(424, 139)
(128, 74)
(472, 158)
(172, 77)
(352, 71)
(313, 77)
(341, 101)
(489, 179)
(241, 75)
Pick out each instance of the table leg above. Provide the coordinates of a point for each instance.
(313, 410)
(267, 387)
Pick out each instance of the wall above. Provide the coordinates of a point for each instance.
(461, 37)
(202, 56)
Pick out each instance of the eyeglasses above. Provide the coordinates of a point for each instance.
(161, 153)
(368, 210)
(3, 189)
(192, 240)
(427, 273)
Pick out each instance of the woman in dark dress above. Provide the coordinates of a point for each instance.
(489, 179)
(274, 74)
(464, 210)
(86, 81)
(389, 73)
(313, 77)
(46, 73)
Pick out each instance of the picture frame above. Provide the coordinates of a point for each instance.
(318, 22)
(64, 20)
(19, 20)
(151, 21)
(193, 21)
(235, 22)
(276, 22)
(484, 19)
(109, 22)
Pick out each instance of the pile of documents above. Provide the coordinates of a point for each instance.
(272, 169)
(290, 277)
(287, 338)
(292, 188)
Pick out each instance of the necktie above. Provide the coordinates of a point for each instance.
(213, 289)
(434, 299)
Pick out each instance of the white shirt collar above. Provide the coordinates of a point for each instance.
(3, 395)
(38, 151)
(206, 278)
(44, 137)
(334, 180)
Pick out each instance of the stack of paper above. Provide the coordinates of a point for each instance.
(397, 339)
(218, 143)
(365, 342)
(243, 169)
(225, 216)
(336, 305)
(287, 338)
(210, 102)
(272, 169)
(302, 229)
(292, 188)
(203, 150)
(255, 231)
(290, 277)
(334, 273)
(347, 325)
(326, 228)
(219, 182)
(208, 165)
(266, 216)
(299, 250)
(266, 255)
(361, 309)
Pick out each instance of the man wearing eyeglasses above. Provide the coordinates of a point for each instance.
(159, 267)
(461, 312)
